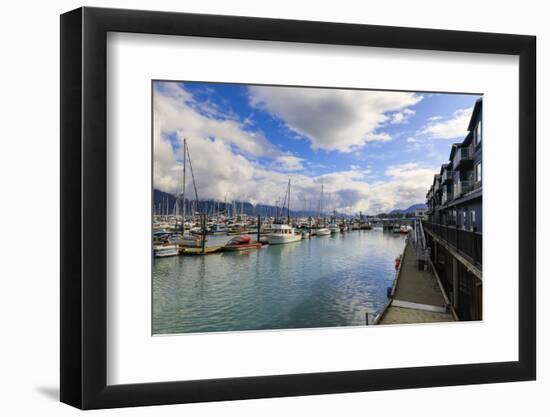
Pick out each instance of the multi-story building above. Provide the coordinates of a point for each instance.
(455, 222)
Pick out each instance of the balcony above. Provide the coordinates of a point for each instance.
(446, 197)
(430, 193)
(447, 176)
(463, 158)
(463, 187)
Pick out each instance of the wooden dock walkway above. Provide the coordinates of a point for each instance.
(417, 297)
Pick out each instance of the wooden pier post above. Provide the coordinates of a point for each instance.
(455, 283)
(259, 231)
(203, 227)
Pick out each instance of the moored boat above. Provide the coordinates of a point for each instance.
(163, 251)
(322, 231)
(241, 243)
(217, 229)
(283, 233)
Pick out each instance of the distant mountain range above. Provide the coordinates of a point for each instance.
(165, 202)
(409, 210)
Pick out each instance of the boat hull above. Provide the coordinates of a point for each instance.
(238, 248)
(165, 251)
(279, 239)
(322, 232)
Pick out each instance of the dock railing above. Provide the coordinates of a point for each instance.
(422, 250)
(466, 242)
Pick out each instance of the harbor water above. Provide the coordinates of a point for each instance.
(328, 281)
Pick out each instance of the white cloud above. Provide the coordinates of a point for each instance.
(226, 162)
(455, 127)
(290, 163)
(177, 110)
(402, 116)
(342, 120)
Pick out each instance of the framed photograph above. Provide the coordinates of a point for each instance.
(256, 208)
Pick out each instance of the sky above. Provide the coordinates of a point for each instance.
(371, 151)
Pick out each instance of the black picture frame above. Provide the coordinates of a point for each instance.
(84, 207)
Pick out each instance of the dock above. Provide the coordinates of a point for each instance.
(200, 251)
(416, 295)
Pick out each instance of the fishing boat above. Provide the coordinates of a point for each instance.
(163, 251)
(283, 233)
(334, 228)
(280, 232)
(241, 243)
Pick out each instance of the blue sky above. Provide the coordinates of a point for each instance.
(372, 150)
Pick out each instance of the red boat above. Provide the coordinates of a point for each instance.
(241, 243)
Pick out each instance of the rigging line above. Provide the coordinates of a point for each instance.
(192, 174)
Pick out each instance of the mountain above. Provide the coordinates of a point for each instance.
(165, 203)
(409, 210)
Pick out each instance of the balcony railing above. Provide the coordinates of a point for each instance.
(447, 175)
(463, 187)
(462, 156)
(467, 243)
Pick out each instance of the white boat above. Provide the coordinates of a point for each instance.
(282, 233)
(217, 229)
(334, 228)
(323, 231)
(405, 229)
(163, 251)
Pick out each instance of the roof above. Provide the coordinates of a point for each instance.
(475, 112)
(443, 167)
(453, 149)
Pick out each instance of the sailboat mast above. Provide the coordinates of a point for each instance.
(192, 174)
(288, 210)
(321, 203)
(183, 186)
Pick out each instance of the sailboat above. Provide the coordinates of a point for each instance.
(283, 233)
(322, 231)
(196, 235)
(333, 226)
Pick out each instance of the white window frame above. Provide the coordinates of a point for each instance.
(478, 134)
(478, 172)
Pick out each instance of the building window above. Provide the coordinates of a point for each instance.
(478, 172)
(472, 219)
(478, 133)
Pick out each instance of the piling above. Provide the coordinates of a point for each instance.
(203, 227)
(259, 229)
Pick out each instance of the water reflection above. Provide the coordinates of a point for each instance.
(319, 282)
